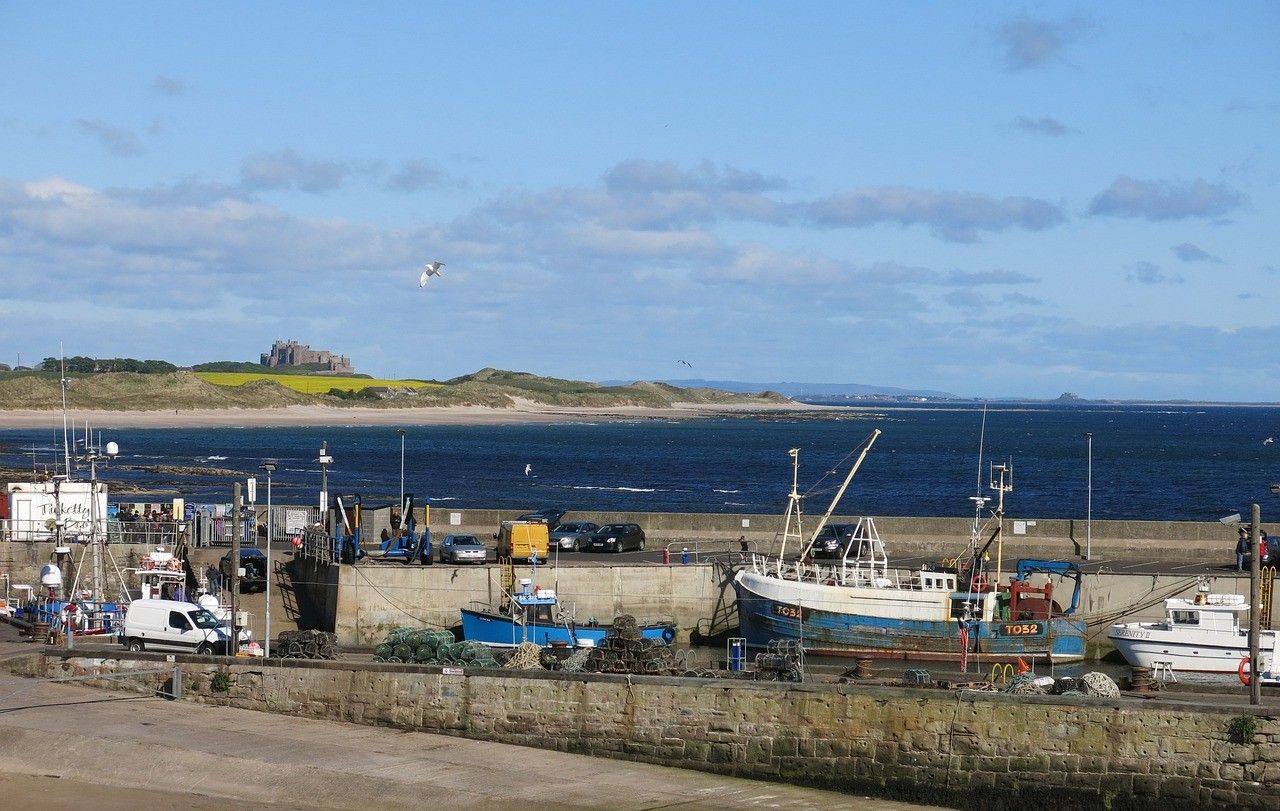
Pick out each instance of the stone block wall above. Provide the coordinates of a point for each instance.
(968, 749)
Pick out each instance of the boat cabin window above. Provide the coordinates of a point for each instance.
(541, 613)
(1185, 617)
(937, 581)
(179, 621)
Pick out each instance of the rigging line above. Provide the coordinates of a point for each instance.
(834, 470)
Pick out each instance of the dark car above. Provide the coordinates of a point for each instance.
(572, 535)
(254, 564)
(550, 516)
(832, 541)
(616, 538)
(462, 549)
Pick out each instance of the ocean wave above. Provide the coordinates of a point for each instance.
(726, 492)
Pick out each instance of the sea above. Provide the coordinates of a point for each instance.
(1190, 463)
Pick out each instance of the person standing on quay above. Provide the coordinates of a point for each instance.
(1242, 549)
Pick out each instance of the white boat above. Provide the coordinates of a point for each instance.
(1206, 634)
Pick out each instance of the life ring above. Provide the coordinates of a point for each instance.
(979, 583)
(1245, 678)
(668, 634)
(148, 564)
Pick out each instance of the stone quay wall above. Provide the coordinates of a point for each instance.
(965, 749)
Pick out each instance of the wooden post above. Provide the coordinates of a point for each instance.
(1255, 607)
(237, 528)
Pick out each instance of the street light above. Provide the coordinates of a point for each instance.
(400, 431)
(1088, 543)
(268, 467)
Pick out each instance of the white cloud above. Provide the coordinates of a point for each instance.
(1030, 43)
(1166, 200)
(953, 216)
(117, 141)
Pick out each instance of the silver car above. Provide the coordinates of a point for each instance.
(462, 549)
(572, 536)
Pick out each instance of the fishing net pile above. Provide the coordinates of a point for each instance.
(306, 645)
(410, 646)
(1090, 684)
(526, 656)
(1099, 684)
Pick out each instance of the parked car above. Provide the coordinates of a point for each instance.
(550, 516)
(573, 535)
(462, 549)
(254, 564)
(832, 540)
(616, 538)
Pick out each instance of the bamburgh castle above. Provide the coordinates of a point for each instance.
(292, 353)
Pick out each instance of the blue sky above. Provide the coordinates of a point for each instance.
(987, 199)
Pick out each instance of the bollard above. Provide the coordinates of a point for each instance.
(862, 669)
(684, 556)
(666, 557)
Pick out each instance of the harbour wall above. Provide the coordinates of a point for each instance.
(958, 749)
(1052, 537)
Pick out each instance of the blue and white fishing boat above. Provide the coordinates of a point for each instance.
(534, 614)
(858, 605)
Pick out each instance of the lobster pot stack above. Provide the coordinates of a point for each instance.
(783, 660)
(307, 645)
(410, 646)
(625, 650)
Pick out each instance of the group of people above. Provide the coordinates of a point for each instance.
(1244, 546)
(152, 523)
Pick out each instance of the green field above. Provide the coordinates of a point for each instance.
(310, 384)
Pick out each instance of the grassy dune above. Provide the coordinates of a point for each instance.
(126, 391)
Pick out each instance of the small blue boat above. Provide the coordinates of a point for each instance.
(531, 616)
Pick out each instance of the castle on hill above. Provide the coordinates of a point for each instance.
(292, 353)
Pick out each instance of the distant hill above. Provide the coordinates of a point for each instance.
(124, 391)
(803, 390)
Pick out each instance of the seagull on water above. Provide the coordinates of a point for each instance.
(428, 270)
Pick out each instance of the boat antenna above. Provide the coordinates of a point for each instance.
(979, 500)
(66, 445)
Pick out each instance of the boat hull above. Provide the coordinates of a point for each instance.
(903, 626)
(501, 630)
(1145, 645)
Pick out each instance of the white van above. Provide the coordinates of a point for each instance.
(173, 626)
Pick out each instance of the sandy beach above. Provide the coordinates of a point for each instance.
(523, 412)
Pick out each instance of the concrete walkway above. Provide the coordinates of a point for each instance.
(106, 745)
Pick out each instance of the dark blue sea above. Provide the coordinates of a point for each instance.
(1193, 463)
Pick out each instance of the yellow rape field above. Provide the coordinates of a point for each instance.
(309, 384)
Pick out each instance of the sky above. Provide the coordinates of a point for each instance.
(988, 199)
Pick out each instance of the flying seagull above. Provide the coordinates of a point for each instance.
(1268, 440)
(528, 469)
(428, 270)
(686, 363)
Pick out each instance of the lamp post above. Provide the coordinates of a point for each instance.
(400, 431)
(1088, 522)
(268, 467)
